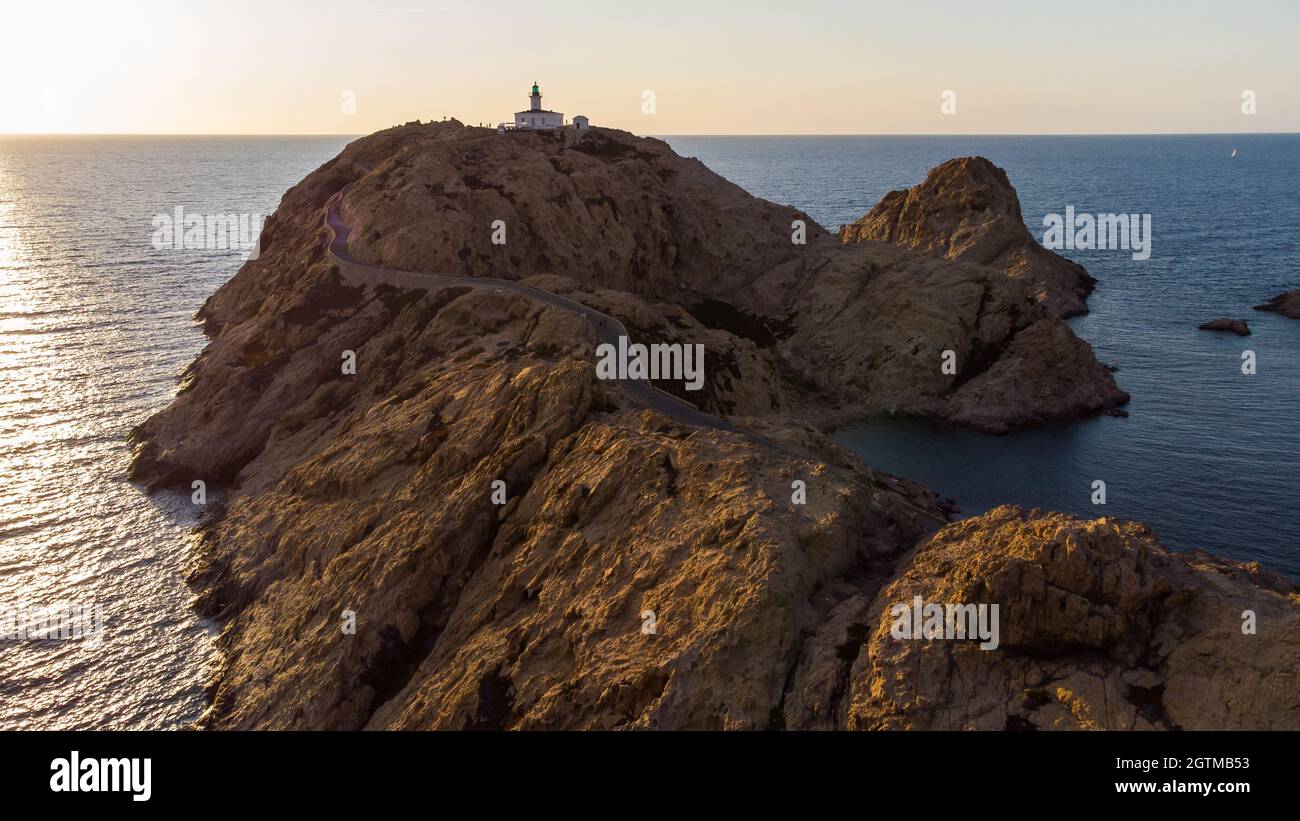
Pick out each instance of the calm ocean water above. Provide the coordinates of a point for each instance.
(95, 327)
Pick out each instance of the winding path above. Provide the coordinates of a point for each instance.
(605, 327)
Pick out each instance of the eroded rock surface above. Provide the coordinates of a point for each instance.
(849, 329)
(376, 499)
(1100, 628)
(1047, 362)
(966, 209)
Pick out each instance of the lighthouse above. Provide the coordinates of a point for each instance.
(536, 117)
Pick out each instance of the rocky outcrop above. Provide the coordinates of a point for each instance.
(1287, 304)
(471, 530)
(994, 298)
(1100, 628)
(966, 209)
(609, 210)
(375, 498)
(1047, 362)
(845, 330)
(1236, 326)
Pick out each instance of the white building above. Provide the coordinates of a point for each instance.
(537, 117)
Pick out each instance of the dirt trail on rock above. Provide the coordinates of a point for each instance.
(605, 327)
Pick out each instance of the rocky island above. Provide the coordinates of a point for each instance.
(518, 544)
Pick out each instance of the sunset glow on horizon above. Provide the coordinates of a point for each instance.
(821, 67)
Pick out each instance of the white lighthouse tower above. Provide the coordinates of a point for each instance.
(537, 117)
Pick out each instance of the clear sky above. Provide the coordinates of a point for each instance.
(754, 67)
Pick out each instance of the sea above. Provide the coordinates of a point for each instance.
(96, 325)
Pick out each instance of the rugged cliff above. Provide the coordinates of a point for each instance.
(521, 544)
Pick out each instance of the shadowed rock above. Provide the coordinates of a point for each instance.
(1045, 361)
(1236, 326)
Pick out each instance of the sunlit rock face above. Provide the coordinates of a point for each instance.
(966, 209)
(472, 530)
(375, 497)
(1100, 628)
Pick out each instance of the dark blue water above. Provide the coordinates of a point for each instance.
(1208, 456)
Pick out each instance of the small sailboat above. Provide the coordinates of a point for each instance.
(1234, 154)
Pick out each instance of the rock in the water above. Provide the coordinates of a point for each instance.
(1047, 362)
(1287, 304)
(1236, 326)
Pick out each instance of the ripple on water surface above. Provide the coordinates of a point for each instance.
(95, 326)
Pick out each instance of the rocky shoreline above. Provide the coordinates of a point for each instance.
(765, 555)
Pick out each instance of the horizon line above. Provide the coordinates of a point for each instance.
(679, 134)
